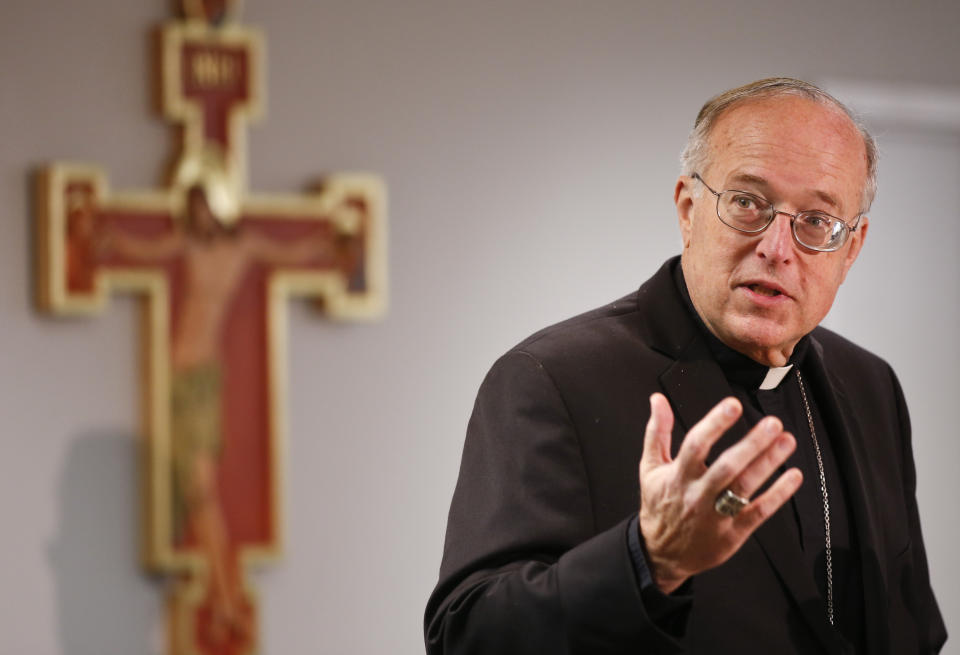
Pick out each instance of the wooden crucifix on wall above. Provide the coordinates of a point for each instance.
(214, 265)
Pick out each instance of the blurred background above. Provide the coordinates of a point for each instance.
(530, 150)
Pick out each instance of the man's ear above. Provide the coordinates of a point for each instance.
(683, 199)
(856, 243)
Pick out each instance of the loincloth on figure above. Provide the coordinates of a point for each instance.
(195, 423)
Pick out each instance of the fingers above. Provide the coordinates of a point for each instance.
(745, 466)
(696, 445)
(683, 536)
(656, 439)
(765, 464)
(766, 504)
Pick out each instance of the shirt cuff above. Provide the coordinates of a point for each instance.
(668, 611)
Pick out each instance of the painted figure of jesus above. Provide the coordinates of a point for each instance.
(216, 251)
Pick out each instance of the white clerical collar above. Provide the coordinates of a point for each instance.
(775, 375)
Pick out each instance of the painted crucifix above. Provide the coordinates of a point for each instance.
(215, 266)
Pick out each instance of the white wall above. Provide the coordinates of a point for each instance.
(529, 149)
(902, 299)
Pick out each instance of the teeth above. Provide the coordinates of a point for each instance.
(764, 291)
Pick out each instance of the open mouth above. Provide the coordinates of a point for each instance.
(762, 290)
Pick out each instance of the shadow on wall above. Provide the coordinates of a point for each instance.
(106, 603)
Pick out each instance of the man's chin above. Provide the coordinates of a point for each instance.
(763, 340)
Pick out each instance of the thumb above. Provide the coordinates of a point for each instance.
(656, 440)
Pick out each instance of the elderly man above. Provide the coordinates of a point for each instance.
(776, 510)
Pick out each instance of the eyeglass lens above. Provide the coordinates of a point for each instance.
(750, 213)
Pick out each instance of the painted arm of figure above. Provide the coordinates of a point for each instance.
(291, 252)
(336, 248)
(113, 241)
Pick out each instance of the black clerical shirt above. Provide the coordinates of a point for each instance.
(783, 400)
(807, 506)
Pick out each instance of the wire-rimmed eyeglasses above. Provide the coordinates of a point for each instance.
(752, 214)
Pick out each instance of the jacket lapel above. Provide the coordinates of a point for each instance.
(850, 444)
(694, 383)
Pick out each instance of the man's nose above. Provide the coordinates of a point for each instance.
(776, 242)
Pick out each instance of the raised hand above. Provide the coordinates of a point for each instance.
(683, 532)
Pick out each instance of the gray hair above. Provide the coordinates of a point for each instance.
(696, 153)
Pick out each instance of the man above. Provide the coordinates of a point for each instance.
(777, 511)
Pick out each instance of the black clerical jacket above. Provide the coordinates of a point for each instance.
(536, 556)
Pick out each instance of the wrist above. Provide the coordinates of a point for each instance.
(662, 571)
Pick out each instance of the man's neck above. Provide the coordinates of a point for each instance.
(762, 357)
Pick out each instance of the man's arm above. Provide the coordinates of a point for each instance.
(524, 569)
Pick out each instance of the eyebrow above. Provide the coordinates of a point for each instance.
(756, 180)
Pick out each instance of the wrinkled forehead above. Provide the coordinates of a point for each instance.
(797, 140)
(788, 116)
